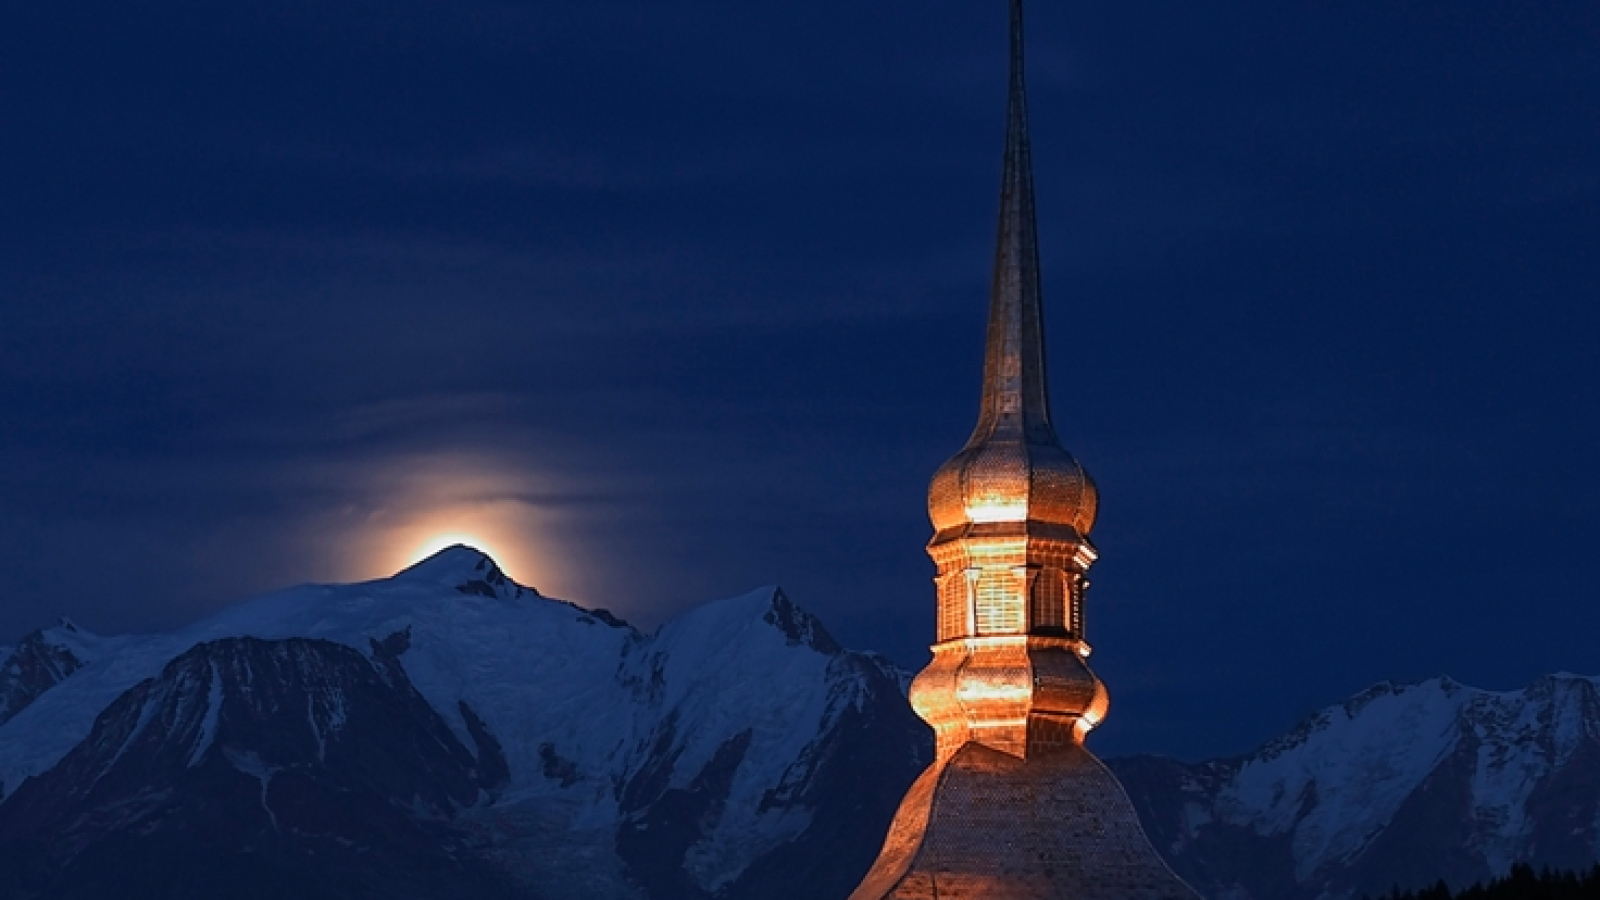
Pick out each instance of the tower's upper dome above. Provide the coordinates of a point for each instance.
(996, 478)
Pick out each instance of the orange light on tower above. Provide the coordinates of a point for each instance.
(1013, 806)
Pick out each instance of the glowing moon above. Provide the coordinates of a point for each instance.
(422, 504)
(505, 532)
(449, 539)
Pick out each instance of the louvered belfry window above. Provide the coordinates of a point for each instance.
(1048, 602)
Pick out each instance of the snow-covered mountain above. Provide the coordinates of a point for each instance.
(1400, 785)
(447, 733)
(444, 733)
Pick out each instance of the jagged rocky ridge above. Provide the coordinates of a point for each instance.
(39, 662)
(1402, 785)
(449, 733)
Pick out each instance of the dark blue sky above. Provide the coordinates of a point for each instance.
(673, 300)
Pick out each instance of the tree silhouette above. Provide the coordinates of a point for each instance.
(1521, 883)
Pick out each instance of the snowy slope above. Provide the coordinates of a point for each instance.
(251, 768)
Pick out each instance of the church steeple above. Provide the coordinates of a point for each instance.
(1014, 806)
(1011, 515)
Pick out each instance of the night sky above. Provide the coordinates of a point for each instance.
(662, 302)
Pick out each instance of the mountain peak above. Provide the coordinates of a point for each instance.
(798, 625)
(770, 607)
(452, 559)
(467, 570)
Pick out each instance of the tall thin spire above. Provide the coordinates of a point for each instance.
(1015, 396)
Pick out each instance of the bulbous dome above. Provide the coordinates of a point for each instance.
(995, 479)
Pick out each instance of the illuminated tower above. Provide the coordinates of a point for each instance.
(1013, 806)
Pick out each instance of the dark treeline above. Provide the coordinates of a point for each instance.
(1521, 884)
